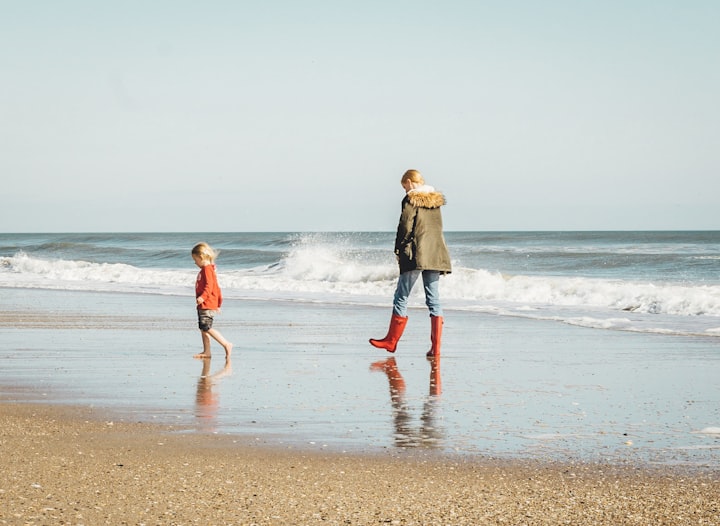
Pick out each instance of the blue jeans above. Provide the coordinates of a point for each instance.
(406, 281)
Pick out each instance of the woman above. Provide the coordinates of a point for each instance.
(421, 250)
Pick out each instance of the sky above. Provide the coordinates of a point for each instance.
(173, 115)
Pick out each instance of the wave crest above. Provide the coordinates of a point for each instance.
(326, 270)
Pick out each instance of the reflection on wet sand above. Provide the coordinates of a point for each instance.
(427, 434)
(206, 398)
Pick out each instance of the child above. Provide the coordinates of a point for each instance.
(208, 298)
(421, 251)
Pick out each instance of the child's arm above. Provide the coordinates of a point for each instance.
(204, 285)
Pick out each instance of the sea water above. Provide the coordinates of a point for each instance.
(663, 282)
(557, 345)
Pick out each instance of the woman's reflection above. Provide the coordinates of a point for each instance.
(428, 434)
(206, 399)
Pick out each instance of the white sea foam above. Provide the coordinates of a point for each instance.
(682, 300)
(709, 431)
(22, 270)
(326, 273)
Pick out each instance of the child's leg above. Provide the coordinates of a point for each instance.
(206, 346)
(222, 341)
(205, 321)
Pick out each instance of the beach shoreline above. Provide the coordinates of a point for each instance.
(71, 465)
(304, 375)
(105, 418)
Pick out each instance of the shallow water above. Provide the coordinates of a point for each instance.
(655, 282)
(303, 375)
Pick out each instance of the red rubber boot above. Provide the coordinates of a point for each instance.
(436, 326)
(395, 331)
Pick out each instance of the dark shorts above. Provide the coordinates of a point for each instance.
(205, 319)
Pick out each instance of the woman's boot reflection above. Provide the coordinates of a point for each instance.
(431, 434)
(435, 380)
(405, 435)
(206, 400)
(401, 417)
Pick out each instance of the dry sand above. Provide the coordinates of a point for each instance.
(68, 466)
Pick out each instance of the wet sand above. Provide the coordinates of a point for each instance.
(64, 465)
(105, 418)
(303, 374)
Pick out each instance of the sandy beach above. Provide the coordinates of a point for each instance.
(68, 466)
(107, 419)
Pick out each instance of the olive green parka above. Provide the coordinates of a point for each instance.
(419, 243)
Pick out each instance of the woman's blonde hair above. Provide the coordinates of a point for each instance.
(413, 176)
(205, 252)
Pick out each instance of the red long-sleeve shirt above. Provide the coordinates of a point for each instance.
(207, 288)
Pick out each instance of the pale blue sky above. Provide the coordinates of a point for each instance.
(253, 116)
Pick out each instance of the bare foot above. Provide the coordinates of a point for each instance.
(202, 355)
(228, 350)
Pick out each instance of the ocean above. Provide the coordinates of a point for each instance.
(592, 346)
(663, 282)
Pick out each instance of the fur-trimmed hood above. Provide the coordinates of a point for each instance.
(426, 196)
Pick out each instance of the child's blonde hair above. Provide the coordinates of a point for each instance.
(205, 252)
(413, 176)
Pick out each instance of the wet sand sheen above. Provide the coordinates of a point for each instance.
(304, 374)
(518, 428)
(64, 465)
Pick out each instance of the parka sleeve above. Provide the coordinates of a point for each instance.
(404, 236)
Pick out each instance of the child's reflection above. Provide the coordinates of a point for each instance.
(428, 435)
(206, 399)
